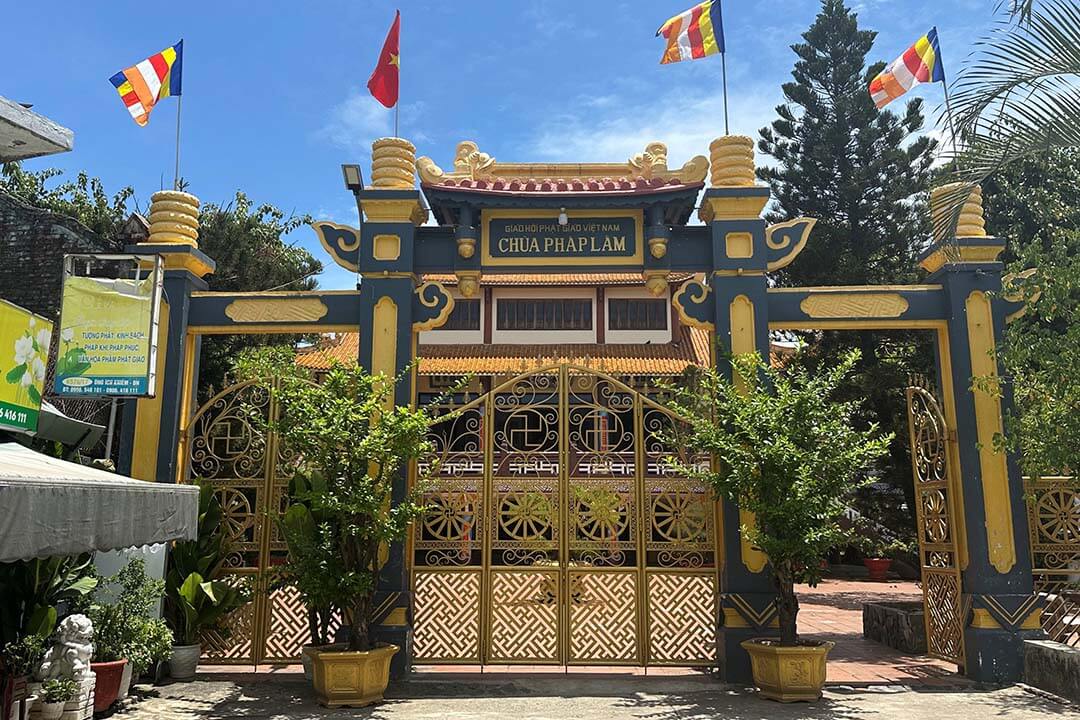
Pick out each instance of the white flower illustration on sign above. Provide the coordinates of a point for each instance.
(44, 339)
(24, 349)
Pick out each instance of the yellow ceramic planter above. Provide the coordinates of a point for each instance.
(344, 678)
(788, 674)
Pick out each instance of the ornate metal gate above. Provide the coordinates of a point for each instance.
(1054, 527)
(942, 590)
(558, 535)
(250, 470)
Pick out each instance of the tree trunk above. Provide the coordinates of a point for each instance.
(787, 605)
(359, 637)
(313, 627)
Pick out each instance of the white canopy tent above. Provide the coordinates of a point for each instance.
(54, 507)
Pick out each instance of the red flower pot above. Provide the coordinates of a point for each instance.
(107, 685)
(878, 567)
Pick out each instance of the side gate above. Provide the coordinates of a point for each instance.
(935, 506)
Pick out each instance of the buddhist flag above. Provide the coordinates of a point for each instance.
(920, 63)
(142, 85)
(383, 83)
(696, 33)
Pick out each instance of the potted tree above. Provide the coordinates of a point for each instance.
(351, 444)
(126, 629)
(54, 694)
(792, 455)
(879, 555)
(311, 564)
(195, 599)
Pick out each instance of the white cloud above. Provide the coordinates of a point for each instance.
(686, 121)
(356, 121)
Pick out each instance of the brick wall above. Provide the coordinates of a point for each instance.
(33, 243)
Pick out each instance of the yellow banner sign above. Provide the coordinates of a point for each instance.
(24, 353)
(107, 346)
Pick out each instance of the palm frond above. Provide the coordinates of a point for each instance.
(1017, 96)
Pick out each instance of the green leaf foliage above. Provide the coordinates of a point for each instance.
(787, 451)
(1035, 204)
(352, 446)
(195, 599)
(864, 174)
(34, 592)
(125, 619)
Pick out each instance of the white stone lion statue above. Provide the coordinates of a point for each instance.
(70, 656)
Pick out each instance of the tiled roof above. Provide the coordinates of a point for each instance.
(692, 348)
(609, 185)
(593, 279)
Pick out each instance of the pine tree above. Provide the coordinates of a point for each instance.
(863, 174)
(840, 160)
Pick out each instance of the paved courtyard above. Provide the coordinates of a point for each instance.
(833, 611)
(576, 697)
(866, 680)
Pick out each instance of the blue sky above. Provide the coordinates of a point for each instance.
(275, 96)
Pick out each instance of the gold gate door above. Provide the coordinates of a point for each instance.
(941, 583)
(250, 472)
(557, 534)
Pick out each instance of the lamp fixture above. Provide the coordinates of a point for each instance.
(563, 219)
(354, 177)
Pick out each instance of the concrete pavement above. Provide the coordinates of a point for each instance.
(577, 697)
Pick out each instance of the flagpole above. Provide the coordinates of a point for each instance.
(176, 174)
(723, 72)
(952, 124)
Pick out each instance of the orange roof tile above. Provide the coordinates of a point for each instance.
(496, 279)
(692, 348)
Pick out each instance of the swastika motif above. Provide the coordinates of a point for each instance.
(682, 618)
(557, 506)
(447, 621)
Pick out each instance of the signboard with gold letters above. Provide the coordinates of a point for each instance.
(588, 237)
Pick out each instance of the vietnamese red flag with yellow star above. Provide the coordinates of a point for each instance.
(384, 79)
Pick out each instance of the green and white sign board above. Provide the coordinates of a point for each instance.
(24, 355)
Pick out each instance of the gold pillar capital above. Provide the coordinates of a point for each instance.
(393, 164)
(174, 218)
(945, 199)
(731, 158)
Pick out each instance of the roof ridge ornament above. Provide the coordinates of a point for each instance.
(473, 165)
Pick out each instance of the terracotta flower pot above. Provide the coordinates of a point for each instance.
(107, 687)
(878, 567)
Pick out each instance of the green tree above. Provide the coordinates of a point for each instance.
(788, 451)
(1016, 96)
(83, 198)
(247, 241)
(863, 174)
(1034, 203)
(840, 160)
(352, 444)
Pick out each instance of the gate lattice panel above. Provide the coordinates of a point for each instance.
(250, 472)
(934, 508)
(1054, 527)
(558, 534)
